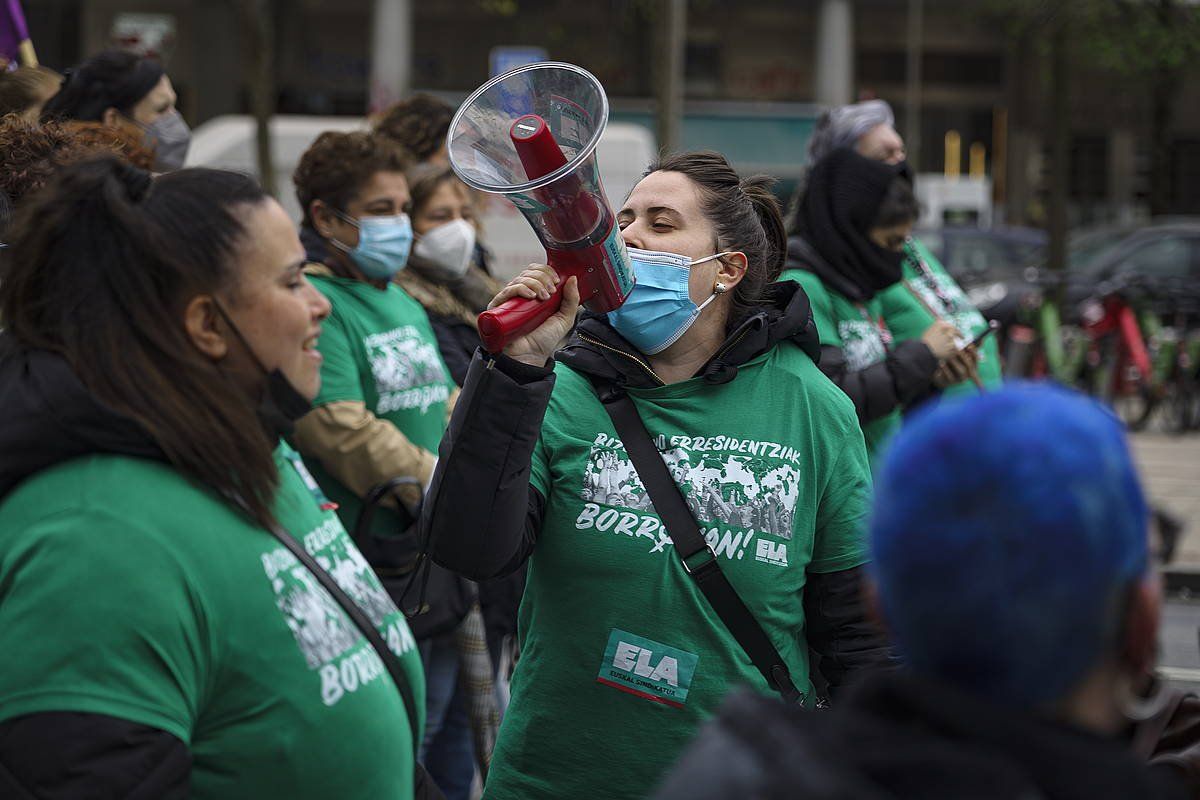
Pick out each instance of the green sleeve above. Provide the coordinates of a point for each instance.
(105, 621)
(340, 380)
(840, 541)
(539, 474)
(818, 300)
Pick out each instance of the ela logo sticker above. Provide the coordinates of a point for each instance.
(771, 553)
(648, 669)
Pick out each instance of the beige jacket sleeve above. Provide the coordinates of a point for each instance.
(361, 450)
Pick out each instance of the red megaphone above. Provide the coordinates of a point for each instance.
(560, 196)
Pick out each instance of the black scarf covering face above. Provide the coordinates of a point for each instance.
(841, 199)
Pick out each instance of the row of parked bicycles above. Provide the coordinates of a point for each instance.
(1133, 341)
(1121, 320)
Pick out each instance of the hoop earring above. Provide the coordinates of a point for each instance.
(1140, 709)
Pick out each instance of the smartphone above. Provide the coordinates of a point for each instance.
(978, 340)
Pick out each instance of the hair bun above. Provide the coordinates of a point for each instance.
(136, 181)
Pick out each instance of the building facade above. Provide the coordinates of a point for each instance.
(754, 72)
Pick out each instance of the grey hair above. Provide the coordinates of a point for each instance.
(842, 126)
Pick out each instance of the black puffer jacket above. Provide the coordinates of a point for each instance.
(895, 737)
(903, 379)
(486, 454)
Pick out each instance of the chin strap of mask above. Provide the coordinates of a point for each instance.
(281, 404)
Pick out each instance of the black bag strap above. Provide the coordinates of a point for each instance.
(375, 496)
(423, 565)
(698, 558)
(390, 660)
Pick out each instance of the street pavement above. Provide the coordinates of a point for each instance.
(1170, 469)
(1179, 646)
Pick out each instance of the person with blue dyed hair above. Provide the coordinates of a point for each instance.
(1010, 564)
(1027, 508)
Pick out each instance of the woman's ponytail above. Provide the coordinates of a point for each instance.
(103, 262)
(745, 216)
(757, 189)
(91, 227)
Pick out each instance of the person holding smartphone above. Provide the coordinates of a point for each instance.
(845, 250)
(925, 293)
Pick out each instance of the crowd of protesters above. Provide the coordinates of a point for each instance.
(274, 524)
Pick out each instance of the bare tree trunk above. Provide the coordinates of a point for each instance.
(1161, 112)
(1162, 109)
(258, 21)
(912, 89)
(668, 88)
(1061, 133)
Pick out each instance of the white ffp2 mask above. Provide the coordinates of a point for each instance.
(447, 248)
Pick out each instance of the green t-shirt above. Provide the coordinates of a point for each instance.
(379, 349)
(622, 657)
(913, 304)
(859, 330)
(126, 590)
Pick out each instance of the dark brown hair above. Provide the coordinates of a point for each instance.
(336, 166)
(418, 124)
(110, 79)
(425, 179)
(746, 217)
(23, 87)
(103, 262)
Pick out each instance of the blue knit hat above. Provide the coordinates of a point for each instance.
(1007, 530)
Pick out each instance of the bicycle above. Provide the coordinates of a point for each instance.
(1118, 368)
(1038, 343)
(1175, 350)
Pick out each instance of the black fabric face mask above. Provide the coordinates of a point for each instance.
(842, 196)
(281, 404)
(892, 258)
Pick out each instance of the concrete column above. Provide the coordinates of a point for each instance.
(835, 53)
(391, 52)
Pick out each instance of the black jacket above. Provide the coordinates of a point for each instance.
(904, 378)
(895, 737)
(50, 417)
(482, 517)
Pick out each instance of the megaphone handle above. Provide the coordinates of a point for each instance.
(515, 318)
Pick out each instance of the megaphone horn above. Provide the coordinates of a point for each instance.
(531, 135)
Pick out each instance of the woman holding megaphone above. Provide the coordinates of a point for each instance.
(658, 583)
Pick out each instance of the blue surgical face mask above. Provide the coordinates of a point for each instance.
(383, 244)
(659, 309)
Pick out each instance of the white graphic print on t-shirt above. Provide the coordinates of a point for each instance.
(862, 343)
(323, 632)
(736, 488)
(408, 370)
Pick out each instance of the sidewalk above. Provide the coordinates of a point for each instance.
(1170, 467)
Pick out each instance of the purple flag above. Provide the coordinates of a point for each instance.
(13, 30)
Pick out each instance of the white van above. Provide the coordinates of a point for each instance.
(228, 142)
